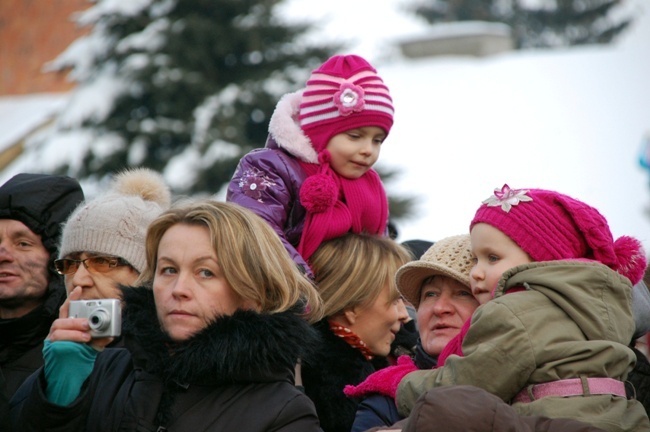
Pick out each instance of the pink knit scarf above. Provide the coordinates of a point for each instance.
(361, 206)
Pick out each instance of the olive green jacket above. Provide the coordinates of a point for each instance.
(574, 319)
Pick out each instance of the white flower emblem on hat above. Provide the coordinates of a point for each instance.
(349, 99)
(506, 198)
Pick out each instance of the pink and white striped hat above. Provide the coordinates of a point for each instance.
(343, 94)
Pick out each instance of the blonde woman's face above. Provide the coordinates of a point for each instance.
(189, 287)
(377, 324)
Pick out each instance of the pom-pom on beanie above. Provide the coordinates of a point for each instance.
(116, 222)
(343, 94)
(550, 226)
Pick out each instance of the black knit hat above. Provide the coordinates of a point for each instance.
(42, 202)
(417, 247)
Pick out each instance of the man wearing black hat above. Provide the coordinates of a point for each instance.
(32, 209)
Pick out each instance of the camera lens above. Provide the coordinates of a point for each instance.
(99, 319)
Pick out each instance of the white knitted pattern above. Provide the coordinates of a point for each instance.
(318, 104)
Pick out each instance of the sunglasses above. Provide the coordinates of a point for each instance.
(99, 264)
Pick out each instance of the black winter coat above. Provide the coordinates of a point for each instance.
(326, 372)
(21, 340)
(235, 375)
(638, 381)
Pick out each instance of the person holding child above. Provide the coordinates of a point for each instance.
(553, 341)
(314, 180)
(437, 285)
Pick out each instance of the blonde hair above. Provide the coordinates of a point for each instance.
(249, 253)
(352, 270)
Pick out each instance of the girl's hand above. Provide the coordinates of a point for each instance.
(74, 329)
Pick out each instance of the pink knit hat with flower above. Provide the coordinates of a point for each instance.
(344, 93)
(550, 226)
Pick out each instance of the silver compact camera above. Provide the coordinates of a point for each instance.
(104, 316)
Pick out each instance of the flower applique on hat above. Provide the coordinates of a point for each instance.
(507, 197)
(349, 99)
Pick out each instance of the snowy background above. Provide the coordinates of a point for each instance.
(572, 120)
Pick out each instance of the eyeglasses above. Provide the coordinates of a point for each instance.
(99, 264)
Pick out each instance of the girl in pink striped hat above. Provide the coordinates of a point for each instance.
(313, 181)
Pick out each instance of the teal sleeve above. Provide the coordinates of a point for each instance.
(67, 365)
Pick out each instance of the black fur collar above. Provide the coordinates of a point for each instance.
(244, 347)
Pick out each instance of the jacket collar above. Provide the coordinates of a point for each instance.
(285, 131)
(244, 347)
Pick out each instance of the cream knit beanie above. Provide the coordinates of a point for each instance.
(116, 223)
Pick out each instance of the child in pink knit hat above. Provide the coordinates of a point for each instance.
(314, 180)
(556, 344)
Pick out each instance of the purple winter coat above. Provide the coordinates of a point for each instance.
(268, 180)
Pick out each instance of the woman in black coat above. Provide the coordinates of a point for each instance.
(363, 313)
(211, 341)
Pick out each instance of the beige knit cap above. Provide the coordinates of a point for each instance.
(451, 256)
(116, 223)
